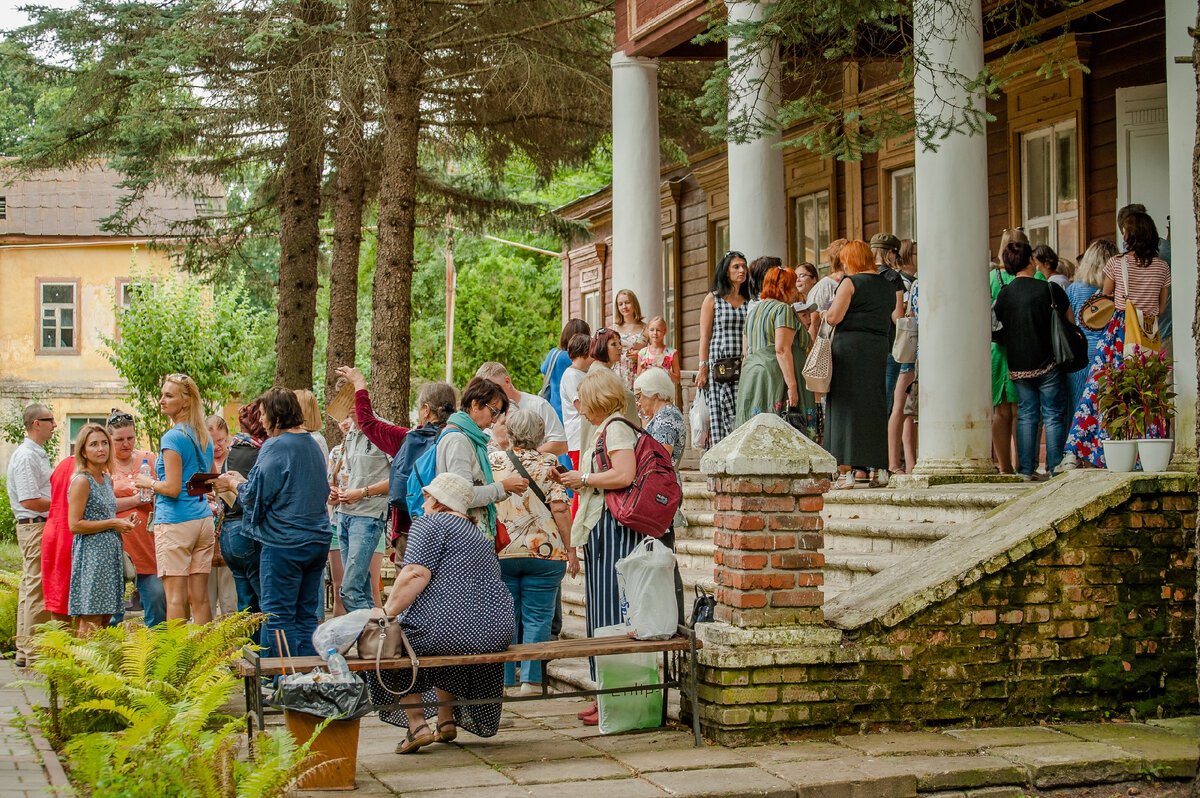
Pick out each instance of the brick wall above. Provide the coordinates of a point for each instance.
(1096, 622)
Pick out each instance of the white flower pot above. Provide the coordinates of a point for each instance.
(1120, 456)
(1155, 453)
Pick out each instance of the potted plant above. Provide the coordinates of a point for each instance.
(1134, 396)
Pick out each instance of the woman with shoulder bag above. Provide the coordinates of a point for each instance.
(1137, 279)
(539, 549)
(602, 401)
(722, 320)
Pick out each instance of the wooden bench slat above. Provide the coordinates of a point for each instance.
(550, 650)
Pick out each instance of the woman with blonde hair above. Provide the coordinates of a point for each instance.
(628, 321)
(312, 419)
(604, 540)
(1089, 279)
(97, 589)
(184, 534)
(861, 313)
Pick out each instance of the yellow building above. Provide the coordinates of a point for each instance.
(59, 277)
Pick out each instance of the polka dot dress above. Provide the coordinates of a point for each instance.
(465, 609)
(97, 567)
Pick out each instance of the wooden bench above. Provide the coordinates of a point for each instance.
(678, 673)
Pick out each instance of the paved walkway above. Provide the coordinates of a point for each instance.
(546, 752)
(28, 766)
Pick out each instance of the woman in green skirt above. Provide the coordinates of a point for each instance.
(776, 343)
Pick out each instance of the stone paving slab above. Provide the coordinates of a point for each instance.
(1163, 754)
(511, 791)
(687, 759)
(442, 778)
(1065, 764)
(611, 788)
(498, 753)
(723, 783)
(1009, 735)
(961, 772)
(569, 770)
(849, 777)
(1189, 726)
(907, 743)
(801, 752)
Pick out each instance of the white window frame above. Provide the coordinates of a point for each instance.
(594, 315)
(670, 282)
(1050, 221)
(894, 177)
(83, 418)
(57, 308)
(802, 253)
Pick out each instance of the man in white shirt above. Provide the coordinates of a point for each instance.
(29, 496)
(555, 442)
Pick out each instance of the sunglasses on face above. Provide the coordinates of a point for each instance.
(495, 411)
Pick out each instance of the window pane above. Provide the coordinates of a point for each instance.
(48, 337)
(58, 294)
(67, 338)
(1065, 171)
(822, 226)
(48, 316)
(1037, 177)
(1068, 237)
(668, 266)
(66, 317)
(903, 207)
(720, 241)
(1038, 235)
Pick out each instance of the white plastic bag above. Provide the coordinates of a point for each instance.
(340, 632)
(625, 711)
(646, 581)
(698, 420)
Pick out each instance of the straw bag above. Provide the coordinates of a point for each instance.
(818, 368)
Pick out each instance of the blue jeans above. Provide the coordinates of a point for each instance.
(241, 553)
(889, 386)
(291, 578)
(1040, 400)
(154, 600)
(357, 538)
(534, 586)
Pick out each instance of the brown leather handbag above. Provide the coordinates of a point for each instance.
(383, 638)
(727, 369)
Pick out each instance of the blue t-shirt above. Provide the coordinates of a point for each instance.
(283, 500)
(182, 440)
(556, 364)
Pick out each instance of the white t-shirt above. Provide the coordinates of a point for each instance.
(569, 391)
(554, 427)
(822, 293)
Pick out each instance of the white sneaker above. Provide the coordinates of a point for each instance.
(531, 688)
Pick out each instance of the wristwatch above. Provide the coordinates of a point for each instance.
(583, 480)
(704, 363)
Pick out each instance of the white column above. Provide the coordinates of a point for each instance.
(757, 199)
(951, 198)
(637, 211)
(1181, 133)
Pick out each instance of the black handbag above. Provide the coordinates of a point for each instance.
(727, 369)
(1069, 344)
(703, 608)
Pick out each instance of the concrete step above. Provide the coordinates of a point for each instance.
(942, 504)
(697, 497)
(845, 569)
(898, 537)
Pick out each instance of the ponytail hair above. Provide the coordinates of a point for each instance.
(195, 407)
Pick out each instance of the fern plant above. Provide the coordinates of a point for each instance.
(100, 683)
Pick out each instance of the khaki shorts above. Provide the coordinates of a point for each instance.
(185, 548)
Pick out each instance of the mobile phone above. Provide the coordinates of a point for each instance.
(562, 469)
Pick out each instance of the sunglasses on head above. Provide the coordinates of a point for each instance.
(119, 418)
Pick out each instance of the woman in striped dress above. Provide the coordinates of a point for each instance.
(604, 541)
(722, 317)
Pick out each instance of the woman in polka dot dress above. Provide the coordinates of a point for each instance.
(450, 600)
(97, 567)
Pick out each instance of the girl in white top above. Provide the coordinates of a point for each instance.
(577, 350)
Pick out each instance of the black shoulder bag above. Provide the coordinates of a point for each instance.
(1067, 341)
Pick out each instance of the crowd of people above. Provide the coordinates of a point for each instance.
(495, 495)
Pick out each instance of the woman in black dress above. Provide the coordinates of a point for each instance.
(861, 313)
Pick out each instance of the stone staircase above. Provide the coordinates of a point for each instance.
(866, 531)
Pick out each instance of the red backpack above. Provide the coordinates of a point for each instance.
(649, 503)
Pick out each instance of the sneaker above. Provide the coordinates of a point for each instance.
(531, 688)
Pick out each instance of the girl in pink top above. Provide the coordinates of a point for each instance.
(656, 352)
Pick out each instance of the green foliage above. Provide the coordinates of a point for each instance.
(1134, 392)
(178, 325)
(8, 521)
(12, 425)
(8, 610)
(140, 712)
(101, 683)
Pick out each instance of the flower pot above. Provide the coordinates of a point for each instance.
(1120, 456)
(1155, 453)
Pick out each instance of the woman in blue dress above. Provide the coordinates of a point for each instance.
(97, 565)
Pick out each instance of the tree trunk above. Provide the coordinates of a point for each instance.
(349, 198)
(392, 291)
(300, 214)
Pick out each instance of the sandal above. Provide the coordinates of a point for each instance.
(843, 482)
(593, 709)
(413, 742)
(446, 737)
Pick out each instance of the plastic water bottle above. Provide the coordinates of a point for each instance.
(145, 494)
(337, 666)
